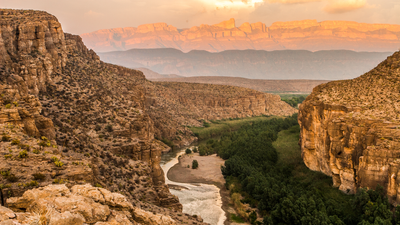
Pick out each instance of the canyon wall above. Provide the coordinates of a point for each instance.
(271, 86)
(68, 118)
(306, 34)
(174, 106)
(350, 130)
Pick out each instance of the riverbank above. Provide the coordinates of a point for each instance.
(208, 172)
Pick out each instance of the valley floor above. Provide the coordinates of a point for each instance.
(208, 172)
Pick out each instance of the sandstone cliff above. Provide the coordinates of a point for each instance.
(307, 34)
(350, 130)
(66, 117)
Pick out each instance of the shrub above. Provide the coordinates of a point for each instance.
(168, 142)
(54, 159)
(15, 142)
(38, 176)
(58, 163)
(16, 104)
(188, 151)
(109, 128)
(12, 178)
(99, 185)
(8, 106)
(58, 181)
(33, 183)
(195, 150)
(9, 156)
(195, 164)
(36, 151)
(23, 154)
(5, 138)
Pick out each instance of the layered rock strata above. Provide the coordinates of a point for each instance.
(174, 106)
(306, 34)
(66, 117)
(350, 130)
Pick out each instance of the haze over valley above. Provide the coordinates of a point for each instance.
(158, 113)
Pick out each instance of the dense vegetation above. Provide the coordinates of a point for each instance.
(263, 164)
(293, 99)
(216, 128)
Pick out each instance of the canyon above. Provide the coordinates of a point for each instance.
(68, 119)
(269, 86)
(251, 64)
(305, 35)
(350, 130)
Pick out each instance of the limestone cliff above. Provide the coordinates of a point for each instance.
(174, 106)
(307, 34)
(67, 117)
(350, 130)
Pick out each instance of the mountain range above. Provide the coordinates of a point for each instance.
(306, 35)
(253, 64)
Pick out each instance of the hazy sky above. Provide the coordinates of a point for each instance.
(81, 16)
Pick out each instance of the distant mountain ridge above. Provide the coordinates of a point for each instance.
(306, 34)
(269, 86)
(253, 64)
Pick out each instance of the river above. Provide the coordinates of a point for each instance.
(199, 199)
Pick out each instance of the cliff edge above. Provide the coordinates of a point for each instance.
(350, 130)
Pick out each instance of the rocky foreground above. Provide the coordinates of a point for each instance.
(350, 130)
(305, 34)
(82, 204)
(67, 118)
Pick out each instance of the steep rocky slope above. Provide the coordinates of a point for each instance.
(66, 117)
(350, 130)
(174, 106)
(278, 65)
(306, 34)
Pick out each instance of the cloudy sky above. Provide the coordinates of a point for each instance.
(81, 16)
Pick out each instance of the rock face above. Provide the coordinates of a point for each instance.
(350, 130)
(83, 204)
(174, 106)
(68, 118)
(307, 34)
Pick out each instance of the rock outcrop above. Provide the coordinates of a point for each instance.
(82, 204)
(174, 106)
(307, 34)
(350, 130)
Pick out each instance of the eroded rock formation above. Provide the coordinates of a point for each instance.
(66, 117)
(82, 204)
(306, 34)
(173, 106)
(350, 130)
